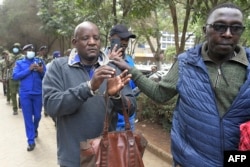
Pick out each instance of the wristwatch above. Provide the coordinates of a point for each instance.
(90, 88)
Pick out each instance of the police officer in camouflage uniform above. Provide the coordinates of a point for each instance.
(2, 77)
(4, 74)
(14, 85)
(43, 54)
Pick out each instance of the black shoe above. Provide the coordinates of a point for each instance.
(45, 114)
(36, 134)
(15, 112)
(31, 147)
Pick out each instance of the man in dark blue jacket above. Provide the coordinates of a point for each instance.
(30, 71)
(212, 82)
(120, 36)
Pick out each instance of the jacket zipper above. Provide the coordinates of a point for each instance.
(220, 74)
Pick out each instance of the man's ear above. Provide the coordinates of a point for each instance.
(204, 29)
(73, 41)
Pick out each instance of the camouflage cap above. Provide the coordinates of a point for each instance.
(17, 44)
(5, 52)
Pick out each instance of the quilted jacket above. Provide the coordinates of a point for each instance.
(199, 134)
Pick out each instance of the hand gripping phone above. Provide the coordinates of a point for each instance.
(115, 41)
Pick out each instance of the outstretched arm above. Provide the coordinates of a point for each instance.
(119, 62)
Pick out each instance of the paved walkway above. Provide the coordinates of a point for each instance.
(13, 142)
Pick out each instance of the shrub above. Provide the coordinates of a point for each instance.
(155, 112)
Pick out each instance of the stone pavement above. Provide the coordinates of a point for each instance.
(13, 142)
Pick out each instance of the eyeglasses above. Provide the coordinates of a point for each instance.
(222, 28)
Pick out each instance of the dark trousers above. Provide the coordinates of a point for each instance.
(4, 88)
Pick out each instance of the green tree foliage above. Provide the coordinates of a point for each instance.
(170, 54)
(56, 19)
(202, 8)
(59, 20)
(18, 23)
(155, 112)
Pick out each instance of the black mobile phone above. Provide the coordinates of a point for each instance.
(40, 63)
(115, 41)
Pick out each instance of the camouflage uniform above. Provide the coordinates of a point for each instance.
(4, 73)
(43, 54)
(2, 79)
(13, 85)
(1, 63)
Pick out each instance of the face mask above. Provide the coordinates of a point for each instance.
(30, 54)
(15, 50)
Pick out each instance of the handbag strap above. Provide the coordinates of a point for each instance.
(124, 111)
(133, 149)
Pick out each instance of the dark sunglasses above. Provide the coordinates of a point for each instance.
(222, 28)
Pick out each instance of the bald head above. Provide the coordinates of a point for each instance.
(84, 25)
(87, 42)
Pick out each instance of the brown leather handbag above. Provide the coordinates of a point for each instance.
(114, 149)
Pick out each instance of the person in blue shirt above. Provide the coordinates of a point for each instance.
(30, 72)
(119, 39)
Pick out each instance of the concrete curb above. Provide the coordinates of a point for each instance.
(160, 153)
